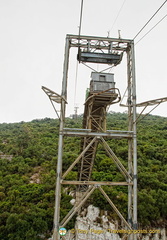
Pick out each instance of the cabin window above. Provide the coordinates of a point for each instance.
(102, 78)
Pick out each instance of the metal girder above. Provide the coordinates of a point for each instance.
(152, 102)
(78, 205)
(78, 158)
(95, 183)
(132, 143)
(99, 43)
(83, 199)
(98, 134)
(60, 146)
(55, 97)
(75, 206)
(114, 207)
(86, 164)
(116, 160)
(87, 170)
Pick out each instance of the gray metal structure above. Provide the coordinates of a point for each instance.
(106, 48)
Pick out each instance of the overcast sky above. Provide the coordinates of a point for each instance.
(32, 51)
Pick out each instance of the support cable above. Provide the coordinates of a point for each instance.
(79, 33)
(116, 17)
(80, 23)
(151, 29)
(150, 20)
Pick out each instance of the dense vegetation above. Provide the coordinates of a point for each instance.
(27, 181)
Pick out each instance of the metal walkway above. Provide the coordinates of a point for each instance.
(94, 118)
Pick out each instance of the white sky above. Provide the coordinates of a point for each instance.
(32, 52)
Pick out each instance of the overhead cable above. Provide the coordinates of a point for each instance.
(80, 23)
(152, 28)
(79, 33)
(150, 19)
(117, 15)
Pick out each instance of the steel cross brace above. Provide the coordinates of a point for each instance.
(77, 206)
(85, 196)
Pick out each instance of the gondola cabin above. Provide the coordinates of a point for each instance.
(102, 82)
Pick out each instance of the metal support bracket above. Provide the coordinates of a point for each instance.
(54, 97)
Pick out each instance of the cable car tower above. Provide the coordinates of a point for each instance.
(101, 95)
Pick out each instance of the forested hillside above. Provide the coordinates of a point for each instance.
(28, 156)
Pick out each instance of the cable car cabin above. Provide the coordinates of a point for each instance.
(102, 82)
(102, 91)
(96, 57)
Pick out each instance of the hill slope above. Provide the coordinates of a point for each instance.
(27, 180)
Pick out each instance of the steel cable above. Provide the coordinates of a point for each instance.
(151, 29)
(149, 20)
(116, 17)
(76, 75)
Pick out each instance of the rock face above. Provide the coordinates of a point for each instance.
(95, 227)
(91, 226)
(5, 156)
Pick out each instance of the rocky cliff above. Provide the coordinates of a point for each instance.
(92, 225)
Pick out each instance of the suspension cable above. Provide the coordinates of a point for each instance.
(150, 19)
(80, 23)
(116, 17)
(151, 29)
(79, 34)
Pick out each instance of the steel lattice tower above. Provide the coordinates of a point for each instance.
(107, 46)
